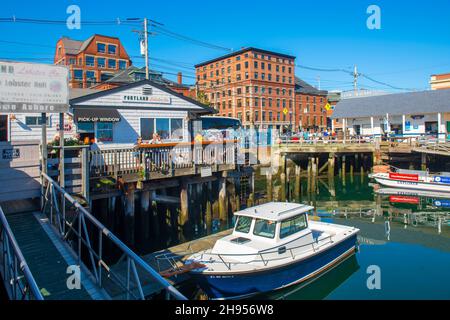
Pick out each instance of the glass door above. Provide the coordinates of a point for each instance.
(3, 128)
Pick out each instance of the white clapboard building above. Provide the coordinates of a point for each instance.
(117, 117)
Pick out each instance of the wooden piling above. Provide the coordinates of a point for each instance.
(145, 215)
(297, 187)
(129, 214)
(424, 162)
(269, 185)
(223, 216)
(184, 203)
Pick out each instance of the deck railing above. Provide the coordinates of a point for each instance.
(72, 221)
(164, 158)
(264, 257)
(18, 280)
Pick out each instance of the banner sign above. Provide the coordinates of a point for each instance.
(403, 176)
(442, 179)
(404, 199)
(442, 203)
(33, 88)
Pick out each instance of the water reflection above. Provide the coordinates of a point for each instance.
(318, 288)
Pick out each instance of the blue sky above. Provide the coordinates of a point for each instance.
(413, 43)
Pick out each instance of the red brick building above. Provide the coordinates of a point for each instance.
(92, 61)
(254, 85)
(310, 106)
(440, 81)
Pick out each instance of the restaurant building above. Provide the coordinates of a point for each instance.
(403, 114)
(117, 117)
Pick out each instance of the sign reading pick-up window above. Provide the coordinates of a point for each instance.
(33, 88)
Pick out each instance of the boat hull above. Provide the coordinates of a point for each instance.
(413, 185)
(241, 285)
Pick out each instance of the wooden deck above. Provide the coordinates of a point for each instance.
(48, 260)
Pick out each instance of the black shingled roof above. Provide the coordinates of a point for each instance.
(245, 50)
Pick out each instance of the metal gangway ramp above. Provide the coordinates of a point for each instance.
(62, 252)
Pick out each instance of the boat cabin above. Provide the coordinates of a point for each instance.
(266, 227)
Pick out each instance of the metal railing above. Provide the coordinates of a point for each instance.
(264, 256)
(163, 158)
(18, 280)
(73, 221)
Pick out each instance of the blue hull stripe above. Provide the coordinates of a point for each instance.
(228, 286)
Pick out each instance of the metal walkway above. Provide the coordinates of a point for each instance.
(47, 263)
(38, 247)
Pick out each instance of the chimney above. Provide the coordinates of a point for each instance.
(180, 78)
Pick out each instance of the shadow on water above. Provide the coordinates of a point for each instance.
(318, 288)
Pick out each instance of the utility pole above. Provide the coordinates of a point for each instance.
(355, 79)
(318, 80)
(146, 47)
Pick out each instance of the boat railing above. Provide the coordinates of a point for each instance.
(19, 282)
(267, 256)
(88, 238)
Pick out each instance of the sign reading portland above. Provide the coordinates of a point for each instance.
(33, 88)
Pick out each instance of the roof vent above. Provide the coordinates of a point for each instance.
(147, 91)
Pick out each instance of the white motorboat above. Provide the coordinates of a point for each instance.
(272, 246)
(414, 180)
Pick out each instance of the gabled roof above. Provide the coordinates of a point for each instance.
(101, 93)
(78, 92)
(71, 46)
(394, 104)
(305, 88)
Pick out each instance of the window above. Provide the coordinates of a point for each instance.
(264, 228)
(35, 121)
(176, 129)
(90, 75)
(78, 74)
(147, 128)
(238, 67)
(122, 64)
(104, 131)
(101, 47)
(243, 224)
(255, 64)
(112, 49)
(105, 76)
(101, 62)
(246, 64)
(85, 127)
(3, 128)
(90, 61)
(72, 61)
(292, 225)
(162, 128)
(111, 63)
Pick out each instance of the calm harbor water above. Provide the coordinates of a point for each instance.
(406, 236)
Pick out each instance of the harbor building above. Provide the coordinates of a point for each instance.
(117, 117)
(404, 114)
(254, 85)
(310, 104)
(440, 81)
(91, 61)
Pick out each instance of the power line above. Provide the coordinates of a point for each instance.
(189, 39)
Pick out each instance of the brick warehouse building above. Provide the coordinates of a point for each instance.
(310, 106)
(92, 61)
(251, 84)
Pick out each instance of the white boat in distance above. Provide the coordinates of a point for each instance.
(272, 246)
(413, 180)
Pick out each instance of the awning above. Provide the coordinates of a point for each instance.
(96, 115)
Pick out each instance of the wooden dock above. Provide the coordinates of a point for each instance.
(180, 253)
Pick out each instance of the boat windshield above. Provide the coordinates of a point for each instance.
(243, 224)
(264, 228)
(292, 225)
